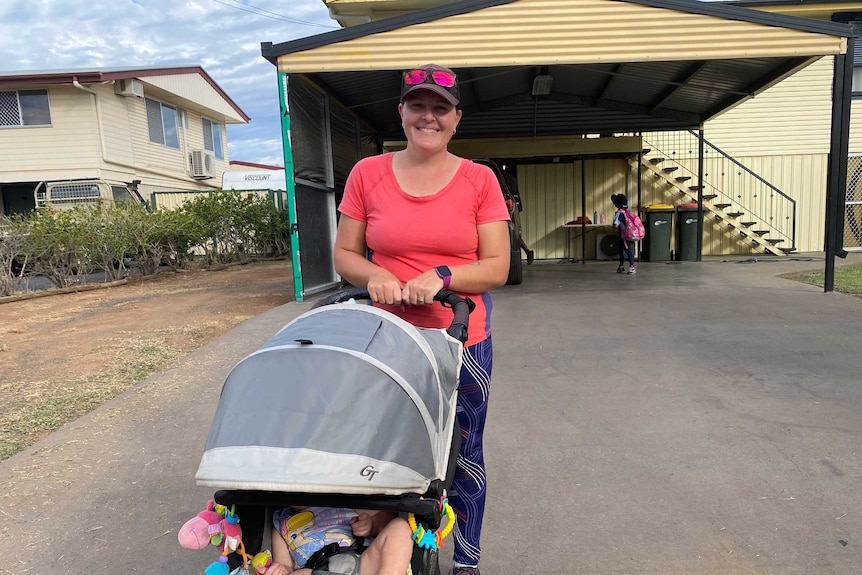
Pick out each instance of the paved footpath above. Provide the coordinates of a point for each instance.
(693, 418)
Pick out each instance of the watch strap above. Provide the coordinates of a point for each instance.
(444, 274)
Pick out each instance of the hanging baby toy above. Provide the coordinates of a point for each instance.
(219, 526)
(427, 539)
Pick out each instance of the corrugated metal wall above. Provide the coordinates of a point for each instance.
(560, 31)
(551, 196)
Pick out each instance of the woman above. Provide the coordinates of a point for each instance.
(419, 220)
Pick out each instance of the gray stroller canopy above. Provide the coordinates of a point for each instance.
(346, 398)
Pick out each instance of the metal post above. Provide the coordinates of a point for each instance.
(583, 211)
(700, 193)
(836, 187)
(290, 184)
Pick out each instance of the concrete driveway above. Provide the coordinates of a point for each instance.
(693, 418)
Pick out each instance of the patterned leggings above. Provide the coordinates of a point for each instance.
(468, 488)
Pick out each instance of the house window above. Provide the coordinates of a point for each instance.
(25, 108)
(212, 138)
(163, 124)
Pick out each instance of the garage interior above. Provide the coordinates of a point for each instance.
(571, 84)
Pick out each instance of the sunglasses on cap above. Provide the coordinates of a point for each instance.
(429, 75)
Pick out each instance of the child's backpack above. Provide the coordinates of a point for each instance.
(634, 226)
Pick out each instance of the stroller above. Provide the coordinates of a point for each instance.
(299, 420)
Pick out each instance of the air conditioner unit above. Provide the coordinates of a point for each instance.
(202, 164)
(607, 246)
(129, 87)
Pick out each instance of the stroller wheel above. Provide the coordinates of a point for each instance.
(424, 562)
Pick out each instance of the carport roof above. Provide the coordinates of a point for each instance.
(617, 65)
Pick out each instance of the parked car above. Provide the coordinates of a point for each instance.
(66, 194)
(516, 266)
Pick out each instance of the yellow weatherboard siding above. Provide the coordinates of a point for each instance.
(792, 117)
(530, 32)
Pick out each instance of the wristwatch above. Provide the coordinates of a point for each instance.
(445, 274)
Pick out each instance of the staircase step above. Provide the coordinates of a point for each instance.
(707, 196)
(761, 232)
(747, 224)
(773, 242)
(695, 188)
(670, 169)
(646, 151)
(788, 250)
(736, 214)
(656, 160)
(721, 206)
(682, 179)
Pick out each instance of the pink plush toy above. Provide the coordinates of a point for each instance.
(232, 531)
(202, 530)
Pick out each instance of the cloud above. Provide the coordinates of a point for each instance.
(222, 36)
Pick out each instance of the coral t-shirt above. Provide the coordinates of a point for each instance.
(408, 236)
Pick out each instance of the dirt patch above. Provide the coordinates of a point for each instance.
(63, 355)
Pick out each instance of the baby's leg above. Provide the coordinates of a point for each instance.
(282, 562)
(390, 552)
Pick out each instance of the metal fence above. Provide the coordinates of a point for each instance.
(171, 200)
(853, 204)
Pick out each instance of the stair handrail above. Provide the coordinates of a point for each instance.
(705, 182)
(760, 179)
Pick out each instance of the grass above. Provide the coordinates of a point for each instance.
(848, 279)
(49, 412)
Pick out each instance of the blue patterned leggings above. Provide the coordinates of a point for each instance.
(468, 488)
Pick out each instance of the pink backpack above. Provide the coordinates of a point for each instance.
(634, 226)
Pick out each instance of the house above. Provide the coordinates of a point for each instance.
(75, 135)
(572, 93)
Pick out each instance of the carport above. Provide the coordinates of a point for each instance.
(534, 70)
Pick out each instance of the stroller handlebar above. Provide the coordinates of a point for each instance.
(461, 307)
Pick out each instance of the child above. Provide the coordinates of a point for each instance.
(302, 531)
(626, 250)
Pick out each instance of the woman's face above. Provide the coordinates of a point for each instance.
(428, 119)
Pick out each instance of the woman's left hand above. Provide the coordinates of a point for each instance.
(422, 289)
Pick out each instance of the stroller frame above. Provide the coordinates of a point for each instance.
(254, 507)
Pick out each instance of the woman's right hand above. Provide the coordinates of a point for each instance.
(383, 287)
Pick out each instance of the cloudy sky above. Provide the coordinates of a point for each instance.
(223, 36)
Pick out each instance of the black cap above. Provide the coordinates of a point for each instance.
(450, 94)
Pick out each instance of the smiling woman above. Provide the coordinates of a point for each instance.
(420, 220)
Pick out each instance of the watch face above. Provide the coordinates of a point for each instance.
(443, 271)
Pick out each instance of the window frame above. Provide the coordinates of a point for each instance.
(165, 129)
(209, 145)
(22, 123)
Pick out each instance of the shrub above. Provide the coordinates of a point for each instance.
(12, 253)
(234, 227)
(64, 245)
(60, 244)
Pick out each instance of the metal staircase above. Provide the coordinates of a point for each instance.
(734, 197)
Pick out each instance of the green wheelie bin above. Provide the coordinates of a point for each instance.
(686, 232)
(658, 223)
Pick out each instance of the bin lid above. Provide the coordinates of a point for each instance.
(688, 206)
(659, 207)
